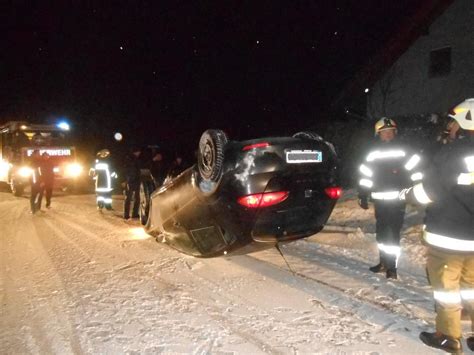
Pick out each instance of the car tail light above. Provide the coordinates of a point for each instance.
(333, 192)
(263, 200)
(256, 145)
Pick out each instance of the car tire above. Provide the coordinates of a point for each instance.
(211, 154)
(146, 189)
(308, 135)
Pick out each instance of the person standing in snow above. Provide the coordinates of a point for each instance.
(132, 183)
(103, 174)
(36, 182)
(388, 168)
(158, 168)
(47, 177)
(448, 191)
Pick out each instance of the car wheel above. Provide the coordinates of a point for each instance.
(211, 154)
(308, 135)
(146, 188)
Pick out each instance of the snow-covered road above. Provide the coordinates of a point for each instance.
(74, 280)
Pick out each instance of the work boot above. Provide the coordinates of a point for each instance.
(470, 343)
(392, 274)
(380, 267)
(441, 341)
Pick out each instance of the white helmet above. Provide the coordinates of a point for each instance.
(463, 114)
(385, 124)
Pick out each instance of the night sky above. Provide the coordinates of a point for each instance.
(167, 70)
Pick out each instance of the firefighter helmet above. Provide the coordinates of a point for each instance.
(463, 113)
(103, 153)
(383, 124)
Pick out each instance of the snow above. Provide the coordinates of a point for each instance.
(74, 280)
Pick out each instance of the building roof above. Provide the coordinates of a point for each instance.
(408, 32)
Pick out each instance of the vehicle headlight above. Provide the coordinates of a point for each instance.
(4, 167)
(25, 171)
(73, 170)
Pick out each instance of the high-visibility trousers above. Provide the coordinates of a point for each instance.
(452, 277)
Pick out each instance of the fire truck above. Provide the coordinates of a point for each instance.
(18, 141)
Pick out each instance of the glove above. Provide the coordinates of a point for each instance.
(402, 195)
(363, 203)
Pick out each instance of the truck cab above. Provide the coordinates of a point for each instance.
(18, 141)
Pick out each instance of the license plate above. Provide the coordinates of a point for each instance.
(304, 156)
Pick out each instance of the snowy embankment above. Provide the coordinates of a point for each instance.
(77, 281)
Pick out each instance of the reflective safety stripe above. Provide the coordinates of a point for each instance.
(103, 189)
(449, 243)
(114, 175)
(104, 167)
(366, 183)
(101, 166)
(416, 177)
(366, 170)
(420, 194)
(466, 179)
(448, 297)
(470, 163)
(467, 295)
(414, 160)
(387, 195)
(107, 200)
(390, 249)
(384, 155)
(100, 198)
(394, 250)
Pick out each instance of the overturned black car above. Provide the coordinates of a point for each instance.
(244, 196)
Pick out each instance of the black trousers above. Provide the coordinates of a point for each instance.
(389, 217)
(47, 191)
(35, 197)
(132, 192)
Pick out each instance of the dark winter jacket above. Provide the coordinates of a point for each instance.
(132, 170)
(387, 168)
(448, 191)
(47, 172)
(35, 166)
(158, 171)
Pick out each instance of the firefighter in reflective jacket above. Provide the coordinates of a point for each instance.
(103, 175)
(388, 168)
(448, 191)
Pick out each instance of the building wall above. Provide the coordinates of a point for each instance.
(407, 88)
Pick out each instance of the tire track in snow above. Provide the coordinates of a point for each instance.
(87, 284)
(371, 312)
(360, 297)
(304, 323)
(95, 237)
(216, 313)
(41, 322)
(357, 300)
(352, 274)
